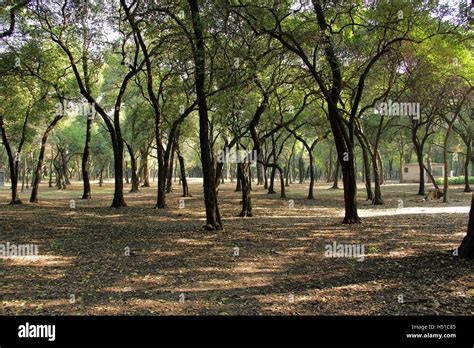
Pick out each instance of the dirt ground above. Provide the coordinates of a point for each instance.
(271, 264)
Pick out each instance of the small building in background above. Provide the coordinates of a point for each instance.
(411, 172)
(2, 177)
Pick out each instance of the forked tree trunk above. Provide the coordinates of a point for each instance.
(39, 165)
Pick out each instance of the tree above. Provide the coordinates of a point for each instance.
(466, 249)
(213, 217)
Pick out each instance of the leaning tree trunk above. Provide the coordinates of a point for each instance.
(367, 176)
(13, 164)
(432, 179)
(466, 249)
(37, 174)
(169, 174)
(182, 169)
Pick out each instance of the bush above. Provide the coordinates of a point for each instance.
(456, 180)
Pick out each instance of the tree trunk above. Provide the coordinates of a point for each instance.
(101, 180)
(50, 184)
(301, 166)
(169, 174)
(381, 168)
(311, 176)
(182, 168)
(467, 188)
(271, 188)
(133, 163)
(466, 249)
(118, 200)
(85, 161)
(13, 164)
(445, 159)
(37, 173)
(419, 156)
(377, 180)
(368, 183)
(145, 170)
(238, 187)
(336, 176)
(246, 199)
(213, 218)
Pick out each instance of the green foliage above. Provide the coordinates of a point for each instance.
(457, 180)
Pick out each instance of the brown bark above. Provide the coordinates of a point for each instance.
(466, 249)
(213, 218)
(39, 165)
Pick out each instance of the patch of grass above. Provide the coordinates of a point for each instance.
(456, 180)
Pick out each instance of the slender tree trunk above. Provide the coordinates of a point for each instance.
(50, 184)
(133, 164)
(145, 169)
(311, 176)
(377, 180)
(467, 188)
(301, 167)
(336, 176)
(381, 167)
(39, 165)
(85, 161)
(368, 183)
(101, 180)
(23, 175)
(169, 176)
(238, 187)
(182, 168)
(246, 199)
(445, 158)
